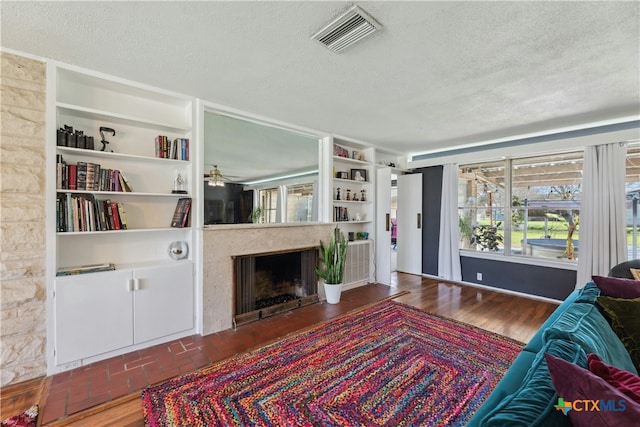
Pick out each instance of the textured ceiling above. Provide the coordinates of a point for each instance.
(439, 74)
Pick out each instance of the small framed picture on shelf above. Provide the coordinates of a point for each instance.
(342, 175)
(359, 174)
(340, 151)
(356, 155)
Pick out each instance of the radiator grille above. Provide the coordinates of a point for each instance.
(357, 266)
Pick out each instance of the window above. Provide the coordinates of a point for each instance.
(522, 207)
(633, 196)
(299, 203)
(268, 203)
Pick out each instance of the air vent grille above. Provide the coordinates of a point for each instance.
(350, 27)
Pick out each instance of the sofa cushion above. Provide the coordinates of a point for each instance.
(617, 287)
(588, 293)
(625, 321)
(584, 325)
(536, 342)
(532, 404)
(575, 385)
(624, 381)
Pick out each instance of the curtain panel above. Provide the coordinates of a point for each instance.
(603, 231)
(448, 250)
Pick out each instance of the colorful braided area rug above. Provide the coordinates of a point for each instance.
(390, 364)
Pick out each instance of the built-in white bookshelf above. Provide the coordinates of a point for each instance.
(140, 124)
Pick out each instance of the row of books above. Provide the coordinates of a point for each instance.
(340, 213)
(167, 149)
(83, 212)
(181, 214)
(83, 269)
(90, 177)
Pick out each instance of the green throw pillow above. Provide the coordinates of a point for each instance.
(625, 321)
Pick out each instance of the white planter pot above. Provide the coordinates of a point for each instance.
(332, 292)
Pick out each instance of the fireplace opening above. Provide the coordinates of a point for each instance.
(267, 284)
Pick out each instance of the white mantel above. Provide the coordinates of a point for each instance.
(222, 242)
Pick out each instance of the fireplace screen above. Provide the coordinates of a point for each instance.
(266, 284)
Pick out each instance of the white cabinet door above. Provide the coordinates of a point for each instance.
(163, 300)
(383, 226)
(410, 223)
(93, 314)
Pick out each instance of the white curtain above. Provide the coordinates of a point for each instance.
(603, 232)
(448, 251)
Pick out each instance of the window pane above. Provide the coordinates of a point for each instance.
(481, 199)
(482, 185)
(633, 196)
(546, 194)
(299, 203)
(268, 202)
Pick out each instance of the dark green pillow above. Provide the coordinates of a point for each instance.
(625, 322)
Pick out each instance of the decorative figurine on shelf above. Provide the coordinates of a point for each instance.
(338, 193)
(355, 197)
(104, 141)
(363, 198)
(179, 185)
(348, 194)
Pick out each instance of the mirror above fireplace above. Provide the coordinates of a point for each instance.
(252, 156)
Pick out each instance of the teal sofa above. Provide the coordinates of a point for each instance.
(525, 396)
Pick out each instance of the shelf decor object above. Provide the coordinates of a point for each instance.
(178, 250)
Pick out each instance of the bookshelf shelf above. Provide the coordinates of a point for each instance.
(94, 114)
(351, 181)
(355, 202)
(348, 160)
(117, 156)
(122, 193)
(138, 230)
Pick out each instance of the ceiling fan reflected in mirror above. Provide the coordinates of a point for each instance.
(215, 178)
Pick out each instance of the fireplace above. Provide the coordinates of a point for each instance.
(270, 283)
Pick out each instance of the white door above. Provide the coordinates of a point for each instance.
(383, 226)
(93, 314)
(163, 300)
(409, 216)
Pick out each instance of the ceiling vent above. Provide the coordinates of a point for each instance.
(350, 27)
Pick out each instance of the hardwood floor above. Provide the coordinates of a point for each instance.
(513, 316)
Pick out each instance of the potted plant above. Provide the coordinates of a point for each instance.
(332, 258)
(487, 237)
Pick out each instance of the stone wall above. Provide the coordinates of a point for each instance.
(22, 219)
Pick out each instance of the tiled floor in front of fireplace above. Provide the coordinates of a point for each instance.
(79, 389)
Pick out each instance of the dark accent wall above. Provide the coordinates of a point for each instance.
(431, 201)
(529, 279)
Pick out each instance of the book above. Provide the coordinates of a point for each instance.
(71, 177)
(181, 213)
(83, 269)
(81, 176)
(126, 184)
(122, 216)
